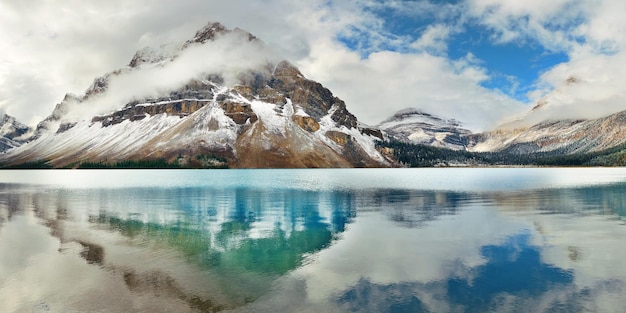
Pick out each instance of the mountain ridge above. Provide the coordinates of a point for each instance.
(224, 99)
(263, 113)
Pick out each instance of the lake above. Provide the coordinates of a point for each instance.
(323, 240)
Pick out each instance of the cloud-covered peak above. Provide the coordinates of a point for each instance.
(166, 52)
(215, 51)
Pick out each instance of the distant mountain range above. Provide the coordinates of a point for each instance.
(192, 106)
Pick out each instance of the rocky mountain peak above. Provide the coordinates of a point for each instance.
(209, 32)
(287, 72)
(98, 86)
(286, 81)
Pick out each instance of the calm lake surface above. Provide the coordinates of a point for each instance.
(353, 240)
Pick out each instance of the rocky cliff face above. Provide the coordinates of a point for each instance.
(269, 116)
(415, 126)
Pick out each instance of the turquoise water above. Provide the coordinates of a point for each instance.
(358, 240)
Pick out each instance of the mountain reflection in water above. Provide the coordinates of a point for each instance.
(254, 248)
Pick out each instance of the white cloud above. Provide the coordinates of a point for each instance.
(549, 22)
(333, 272)
(560, 25)
(234, 51)
(433, 39)
(49, 49)
(586, 88)
(385, 82)
(590, 32)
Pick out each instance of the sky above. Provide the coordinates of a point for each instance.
(482, 62)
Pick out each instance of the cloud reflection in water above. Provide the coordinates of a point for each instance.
(262, 248)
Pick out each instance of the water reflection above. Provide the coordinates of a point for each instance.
(260, 249)
(243, 238)
(414, 208)
(512, 274)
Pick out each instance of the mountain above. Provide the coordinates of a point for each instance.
(565, 121)
(222, 98)
(11, 133)
(415, 126)
(559, 130)
(558, 137)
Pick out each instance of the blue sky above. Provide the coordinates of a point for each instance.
(513, 67)
(482, 62)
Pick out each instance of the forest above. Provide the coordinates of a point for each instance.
(417, 155)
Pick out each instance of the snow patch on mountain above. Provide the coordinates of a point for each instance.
(273, 121)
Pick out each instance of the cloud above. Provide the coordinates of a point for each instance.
(551, 23)
(234, 53)
(433, 39)
(586, 31)
(52, 55)
(586, 88)
(385, 82)
(49, 49)
(333, 272)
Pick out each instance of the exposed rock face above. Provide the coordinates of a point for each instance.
(306, 122)
(374, 132)
(272, 116)
(311, 96)
(240, 113)
(418, 127)
(338, 137)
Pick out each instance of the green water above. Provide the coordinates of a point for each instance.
(362, 240)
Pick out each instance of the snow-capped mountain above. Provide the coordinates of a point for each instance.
(415, 126)
(223, 94)
(567, 120)
(561, 137)
(11, 133)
